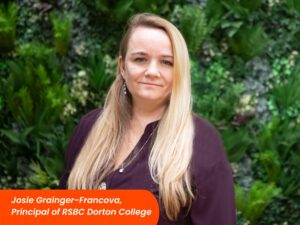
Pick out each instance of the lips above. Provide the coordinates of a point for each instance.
(151, 84)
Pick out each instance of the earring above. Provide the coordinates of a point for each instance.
(124, 88)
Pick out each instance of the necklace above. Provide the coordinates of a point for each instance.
(124, 165)
(103, 184)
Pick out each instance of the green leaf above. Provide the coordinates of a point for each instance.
(288, 93)
(8, 18)
(251, 5)
(18, 137)
(62, 26)
(236, 143)
(254, 202)
(271, 163)
(122, 8)
(293, 5)
(193, 25)
(249, 41)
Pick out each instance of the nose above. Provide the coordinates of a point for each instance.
(152, 70)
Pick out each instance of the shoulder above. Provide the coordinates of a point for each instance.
(204, 128)
(81, 131)
(76, 142)
(90, 117)
(208, 148)
(207, 138)
(85, 125)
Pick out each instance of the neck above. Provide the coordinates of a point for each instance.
(145, 114)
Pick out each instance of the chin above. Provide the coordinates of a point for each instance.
(148, 97)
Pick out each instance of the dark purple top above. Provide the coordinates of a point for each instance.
(212, 179)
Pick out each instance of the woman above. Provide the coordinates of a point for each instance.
(146, 136)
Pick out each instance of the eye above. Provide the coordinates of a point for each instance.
(167, 62)
(139, 59)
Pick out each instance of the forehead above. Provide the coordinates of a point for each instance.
(149, 40)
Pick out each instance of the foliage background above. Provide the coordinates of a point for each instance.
(58, 58)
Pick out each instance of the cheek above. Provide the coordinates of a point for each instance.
(169, 80)
(133, 72)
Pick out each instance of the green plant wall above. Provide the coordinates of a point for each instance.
(58, 59)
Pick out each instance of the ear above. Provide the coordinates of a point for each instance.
(121, 66)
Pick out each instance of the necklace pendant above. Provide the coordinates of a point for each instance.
(102, 186)
(121, 170)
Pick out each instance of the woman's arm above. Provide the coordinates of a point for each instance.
(214, 202)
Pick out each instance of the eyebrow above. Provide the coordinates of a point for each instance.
(143, 53)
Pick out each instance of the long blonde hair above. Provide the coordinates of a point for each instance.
(172, 148)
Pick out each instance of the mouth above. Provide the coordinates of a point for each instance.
(151, 84)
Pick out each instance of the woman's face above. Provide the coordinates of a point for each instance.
(148, 66)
